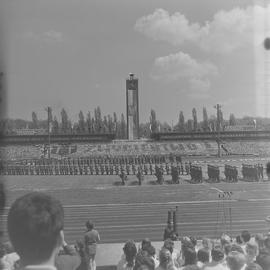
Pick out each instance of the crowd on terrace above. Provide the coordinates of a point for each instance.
(36, 232)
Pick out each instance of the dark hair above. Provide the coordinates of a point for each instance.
(239, 239)
(146, 243)
(34, 223)
(142, 259)
(245, 235)
(89, 225)
(203, 255)
(217, 254)
(190, 256)
(130, 251)
(236, 247)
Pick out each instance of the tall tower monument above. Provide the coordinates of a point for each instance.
(132, 100)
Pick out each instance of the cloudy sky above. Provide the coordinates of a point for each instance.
(77, 54)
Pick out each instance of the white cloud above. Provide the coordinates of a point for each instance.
(226, 32)
(161, 26)
(182, 66)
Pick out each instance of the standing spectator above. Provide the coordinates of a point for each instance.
(245, 236)
(68, 258)
(35, 227)
(91, 239)
(127, 261)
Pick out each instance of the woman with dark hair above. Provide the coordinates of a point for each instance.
(127, 261)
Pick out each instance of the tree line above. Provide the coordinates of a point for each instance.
(97, 123)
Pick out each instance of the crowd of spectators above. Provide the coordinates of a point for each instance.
(36, 232)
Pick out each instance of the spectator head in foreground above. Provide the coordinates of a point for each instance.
(235, 260)
(253, 266)
(217, 254)
(203, 255)
(130, 252)
(144, 261)
(263, 259)
(190, 256)
(191, 267)
(35, 228)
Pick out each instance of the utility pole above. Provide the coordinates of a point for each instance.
(218, 107)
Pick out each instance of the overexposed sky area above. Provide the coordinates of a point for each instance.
(77, 54)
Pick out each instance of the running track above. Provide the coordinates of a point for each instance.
(122, 213)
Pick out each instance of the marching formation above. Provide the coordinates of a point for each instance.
(123, 166)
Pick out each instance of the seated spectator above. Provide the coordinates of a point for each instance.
(144, 261)
(236, 260)
(35, 227)
(165, 260)
(253, 266)
(251, 252)
(207, 244)
(68, 258)
(202, 257)
(128, 260)
(217, 262)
